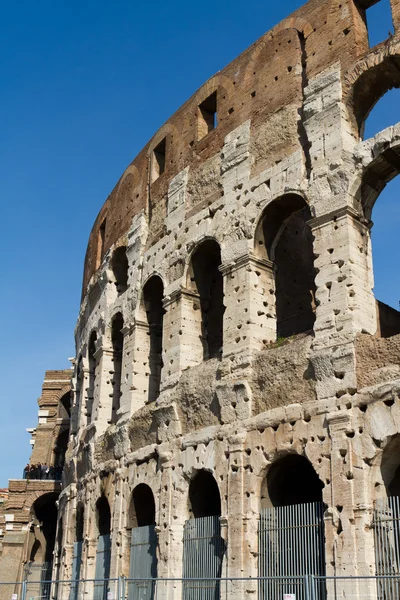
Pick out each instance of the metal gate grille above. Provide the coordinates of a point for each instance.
(143, 563)
(76, 570)
(387, 546)
(102, 572)
(203, 550)
(291, 545)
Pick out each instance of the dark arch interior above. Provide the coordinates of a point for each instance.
(117, 340)
(142, 509)
(103, 516)
(153, 293)
(45, 511)
(80, 517)
(204, 496)
(35, 555)
(60, 448)
(119, 265)
(64, 411)
(293, 480)
(92, 375)
(286, 239)
(206, 279)
(390, 467)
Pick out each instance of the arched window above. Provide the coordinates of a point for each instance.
(92, 377)
(117, 340)
(42, 539)
(203, 560)
(153, 293)
(205, 280)
(143, 541)
(119, 265)
(103, 552)
(284, 238)
(380, 181)
(79, 389)
(291, 517)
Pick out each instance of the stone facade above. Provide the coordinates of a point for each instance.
(228, 320)
(28, 514)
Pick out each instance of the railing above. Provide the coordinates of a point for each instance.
(309, 587)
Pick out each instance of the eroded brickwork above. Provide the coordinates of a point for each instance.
(228, 320)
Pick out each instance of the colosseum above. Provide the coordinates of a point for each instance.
(235, 414)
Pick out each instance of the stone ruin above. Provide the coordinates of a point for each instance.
(231, 356)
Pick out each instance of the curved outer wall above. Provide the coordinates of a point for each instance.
(290, 117)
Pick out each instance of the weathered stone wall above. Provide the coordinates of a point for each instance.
(286, 166)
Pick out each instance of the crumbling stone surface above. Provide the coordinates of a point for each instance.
(249, 212)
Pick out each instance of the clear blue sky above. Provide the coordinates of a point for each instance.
(83, 86)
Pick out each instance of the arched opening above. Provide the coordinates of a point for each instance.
(64, 407)
(293, 480)
(79, 389)
(380, 181)
(204, 496)
(119, 265)
(387, 519)
(153, 293)
(77, 552)
(291, 517)
(205, 280)
(117, 339)
(42, 538)
(284, 238)
(103, 552)
(143, 541)
(92, 376)
(60, 449)
(204, 559)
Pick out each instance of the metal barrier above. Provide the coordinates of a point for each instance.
(308, 587)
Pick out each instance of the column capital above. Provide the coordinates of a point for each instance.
(176, 295)
(340, 213)
(245, 261)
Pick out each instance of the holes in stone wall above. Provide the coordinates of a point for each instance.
(117, 340)
(206, 280)
(119, 265)
(207, 118)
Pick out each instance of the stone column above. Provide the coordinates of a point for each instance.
(170, 522)
(249, 296)
(345, 302)
(136, 358)
(350, 541)
(181, 335)
(102, 406)
(234, 557)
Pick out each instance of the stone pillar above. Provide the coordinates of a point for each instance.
(136, 358)
(181, 335)
(83, 421)
(234, 557)
(345, 302)
(249, 295)
(352, 540)
(102, 406)
(170, 522)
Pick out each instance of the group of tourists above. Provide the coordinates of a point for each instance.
(42, 471)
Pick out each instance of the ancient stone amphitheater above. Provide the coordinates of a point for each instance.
(236, 380)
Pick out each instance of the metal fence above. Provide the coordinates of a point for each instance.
(291, 542)
(235, 588)
(387, 545)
